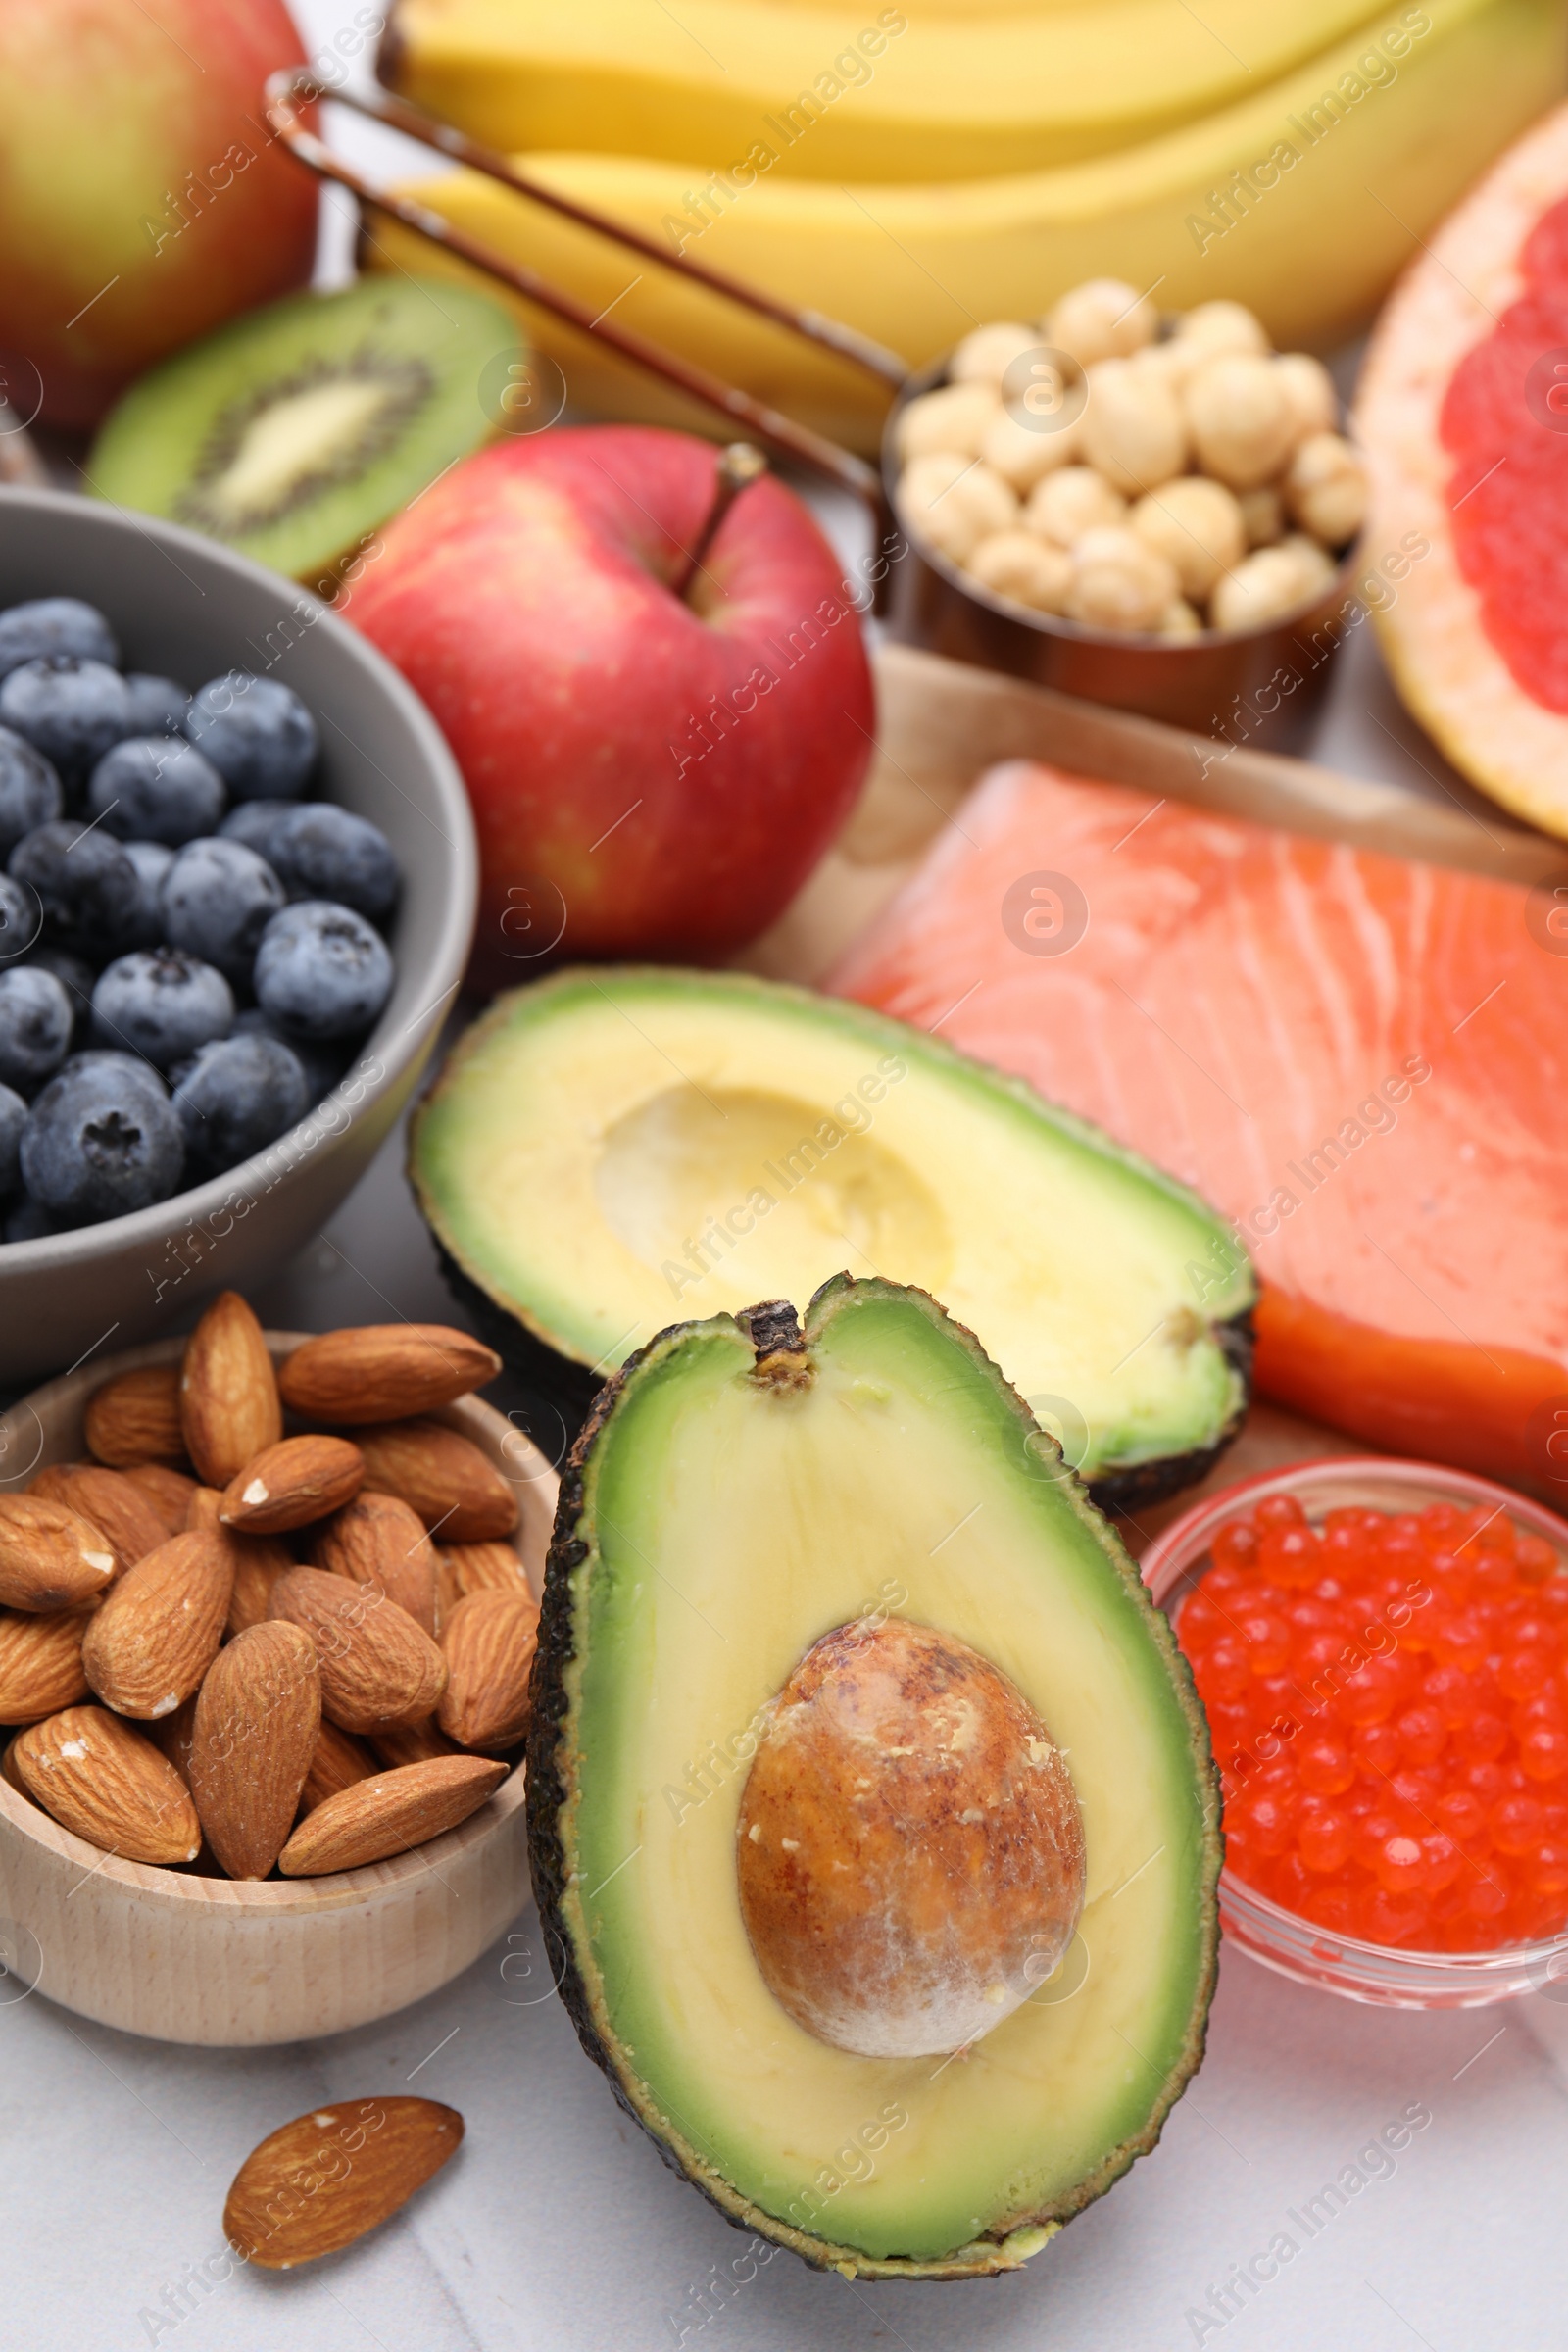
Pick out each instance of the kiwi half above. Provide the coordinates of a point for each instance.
(293, 431)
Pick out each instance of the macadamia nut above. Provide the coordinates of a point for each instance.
(986, 352)
(1119, 581)
(953, 502)
(1264, 587)
(1241, 420)
(956, 418)
(1197, 526)
(1309, 389)
(1180, 621)
(1217, 328)
(1325, 489)
(1105, 319)
(1031, 570)
(1025, 452)
(1315, 567)
(1071, 501)
(1132, 427)
(1262, 515)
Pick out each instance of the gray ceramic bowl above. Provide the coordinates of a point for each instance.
(187, 608)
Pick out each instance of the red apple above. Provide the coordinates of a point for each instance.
(142, 198)
(651, 774)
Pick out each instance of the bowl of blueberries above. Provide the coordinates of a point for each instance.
(237, 881)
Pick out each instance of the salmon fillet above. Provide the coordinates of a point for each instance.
(1362, 1060)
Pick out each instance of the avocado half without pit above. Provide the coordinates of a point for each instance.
(609, 1149)
(872, 1818)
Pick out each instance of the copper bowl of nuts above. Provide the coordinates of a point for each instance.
(267, 1615)
(1155, 513)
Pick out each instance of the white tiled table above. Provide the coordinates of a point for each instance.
(558, 2226)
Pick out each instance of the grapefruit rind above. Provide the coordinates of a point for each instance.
(1433, 635)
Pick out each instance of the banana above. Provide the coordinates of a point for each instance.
(855, 91)
(1303, 201)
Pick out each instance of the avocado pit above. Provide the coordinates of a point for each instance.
(909, 1850)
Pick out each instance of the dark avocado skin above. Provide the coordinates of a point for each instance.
(774, 1330)
(567, 1385)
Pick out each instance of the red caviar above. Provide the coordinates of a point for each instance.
(1389, 1702)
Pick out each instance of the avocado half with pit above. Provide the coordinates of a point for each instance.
(872, 1818)
(610, 1149)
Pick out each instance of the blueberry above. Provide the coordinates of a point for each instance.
(100, 1142)
(255, 824)
(218, 901)
(20, 918)
(55, 624)
(321, 970)
(34, 1027)
(164, 1005)
(258, 735)
(157, 707)
(150, 789)
(234, 1098)
(12, 1119)
(88, 886)
(77, 978)
(152, 861)
(29, 1221)
(30, 793)
(323, 1064)
(322, 852)
(71, 710)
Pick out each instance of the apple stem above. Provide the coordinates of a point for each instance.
(739, 465)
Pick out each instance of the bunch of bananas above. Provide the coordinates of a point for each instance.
(913, 168)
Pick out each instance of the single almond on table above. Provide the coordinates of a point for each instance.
(338, 1761)
(40, 1665)
(383, 1372)
(257, 1717)
(292, 1483)
(107, 1783)
(377, 1540)
(135, 1418)
(412, 1743)
(320, 2182)
(155, 1637)
(229, 1402)
(50, 1558)
(108, 1501)
(377, 1667)
(167, 1491)
(489, 1645)
(376, 1819)
(458, 1492)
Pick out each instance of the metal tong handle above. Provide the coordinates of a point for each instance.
(295, 87)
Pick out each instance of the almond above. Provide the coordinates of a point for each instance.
(412, 1743)
(376, 1819)
(292, 1483)
(119, 1511)
(257, 1717)
(377, 1667)
(50, 1558)
(338, 1762)
(383, 1372)
(442, 1475)
(489, 1647)
(483, 1567)
(377, 1540)
(322, 2180)
(158, 1632)
(167, 1491)
(108, 1784)
(135, 1418)
(40, 1665)
(228, 1400)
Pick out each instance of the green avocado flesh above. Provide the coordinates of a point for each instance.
(292, 432)
(716, 1522)
(607, 1151)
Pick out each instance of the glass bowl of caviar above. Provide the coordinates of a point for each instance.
(1382, 1651)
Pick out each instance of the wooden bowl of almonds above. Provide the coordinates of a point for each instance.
(267, 1615)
